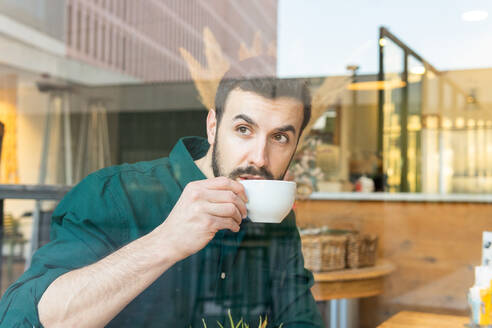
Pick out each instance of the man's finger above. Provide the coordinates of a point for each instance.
(223, 183)
(227, 196)
(220, 223)
(225, 210)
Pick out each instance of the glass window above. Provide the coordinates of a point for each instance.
(118, 117)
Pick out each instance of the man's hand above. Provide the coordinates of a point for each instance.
(205, 207)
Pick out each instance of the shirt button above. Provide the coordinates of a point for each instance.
(223, 275)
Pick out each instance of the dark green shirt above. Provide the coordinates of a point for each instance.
(258, 271)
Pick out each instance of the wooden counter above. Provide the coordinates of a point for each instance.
(407, 319)
(434, 246)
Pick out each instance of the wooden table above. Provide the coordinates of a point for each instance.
(339, 286)
(352, 283)
(408, 319)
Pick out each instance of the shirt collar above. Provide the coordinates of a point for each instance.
(183, 156)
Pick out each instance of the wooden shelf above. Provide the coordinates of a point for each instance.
(382, 268)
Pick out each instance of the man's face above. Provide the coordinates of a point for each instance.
(256, 137)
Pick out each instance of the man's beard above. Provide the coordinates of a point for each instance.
(249, 170)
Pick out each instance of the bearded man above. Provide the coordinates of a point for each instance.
(167, 243)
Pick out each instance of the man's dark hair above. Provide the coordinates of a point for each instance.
(266, 87)
(244, 76)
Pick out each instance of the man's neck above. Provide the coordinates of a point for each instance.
(205, 164)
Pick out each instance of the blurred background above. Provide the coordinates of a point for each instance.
(400, 108)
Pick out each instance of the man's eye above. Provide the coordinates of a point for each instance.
(282, 138)
(243, 130)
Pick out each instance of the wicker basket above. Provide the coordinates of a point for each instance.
(324, 252)
(361, 250)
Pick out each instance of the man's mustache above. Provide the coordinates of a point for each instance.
(251, 170)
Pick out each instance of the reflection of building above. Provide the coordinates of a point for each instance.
(142, 38)
(432, 140)
(123, 41)
(101, 43)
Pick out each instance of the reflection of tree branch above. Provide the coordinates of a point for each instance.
(324, 96)
(272, 49)
(207, 79)
(255, 50)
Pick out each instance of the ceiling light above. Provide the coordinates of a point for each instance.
(460, 123)
(447, 124)
(474, 15)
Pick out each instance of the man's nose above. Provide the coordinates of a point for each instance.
(259, 155)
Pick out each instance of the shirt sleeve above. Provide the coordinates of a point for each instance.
(293, 303)
(86, 226)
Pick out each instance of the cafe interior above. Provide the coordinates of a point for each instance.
(393, 171)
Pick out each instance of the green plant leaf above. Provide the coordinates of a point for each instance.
(230, 318)
(241, 323)
(264, 324)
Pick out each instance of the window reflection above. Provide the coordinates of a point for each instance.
(86, 85)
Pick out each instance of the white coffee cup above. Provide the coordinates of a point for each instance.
(269, 201)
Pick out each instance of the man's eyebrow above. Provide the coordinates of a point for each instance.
(249, 120)
(287, 128)
(245, 118)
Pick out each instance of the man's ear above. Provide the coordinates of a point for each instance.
(211, 126)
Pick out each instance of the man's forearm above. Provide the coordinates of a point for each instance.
(92, 296)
